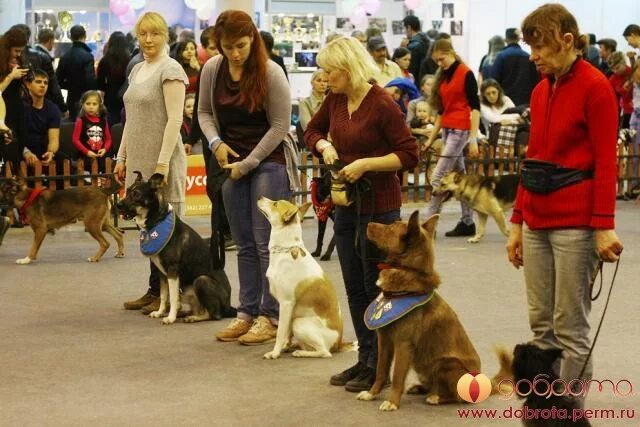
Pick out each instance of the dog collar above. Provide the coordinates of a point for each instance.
(155, 239)
(294, 251)
(32, 198)
(387, 308)
(386, 266)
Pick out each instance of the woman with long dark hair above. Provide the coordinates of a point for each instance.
(244, 111)
(186, 55)
(112, 75)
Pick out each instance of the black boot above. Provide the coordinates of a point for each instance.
(462, 229)
(362, 382)
(347, 375)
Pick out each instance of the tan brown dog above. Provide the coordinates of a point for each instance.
(430, 337)
(49, 210)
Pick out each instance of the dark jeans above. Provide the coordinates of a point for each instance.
(360, 272)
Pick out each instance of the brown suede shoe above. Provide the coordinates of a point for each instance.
(262, 332)
(234, 330)
(152, 306)
(140, 302)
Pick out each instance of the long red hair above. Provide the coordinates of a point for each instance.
(231, 25)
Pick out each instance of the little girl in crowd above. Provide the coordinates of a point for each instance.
(91, 135)
(402, 57)
(187, 119)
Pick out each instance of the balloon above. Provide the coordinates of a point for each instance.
(205, 12)
(129, 18)
(348, 6)
(119, 7)
(192, 4)
(370, 6)
(171, 10)
(137, 4)
(412, 4)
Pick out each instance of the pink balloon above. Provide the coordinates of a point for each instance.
(119, 7)
(129, 18)
(370, 6)
(412, 4)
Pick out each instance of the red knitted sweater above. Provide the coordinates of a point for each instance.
(574, 125)
(375, 129)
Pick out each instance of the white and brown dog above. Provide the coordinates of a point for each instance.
(309, 309)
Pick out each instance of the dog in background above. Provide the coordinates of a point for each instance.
(47, 211)
(324, 209)
(430, 337)
(487, 195)
(309, 309)
(530, 361)
(181, 255)
(626, 137)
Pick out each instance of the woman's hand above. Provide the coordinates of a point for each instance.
(47, 157)
(473, 150)
(193, 62)
(514, 246)
(353, 171)
(101, 152)
(222, 154)
(235, 172)
(119, 172)
(91, 154)
(18, 73)
(329, 155)
(608, 245)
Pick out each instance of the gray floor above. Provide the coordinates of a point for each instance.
(70, 355)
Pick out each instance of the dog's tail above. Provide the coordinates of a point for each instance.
(113, 188)
(505, 358)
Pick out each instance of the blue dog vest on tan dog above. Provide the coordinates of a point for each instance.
(387, 309)
(154, 240)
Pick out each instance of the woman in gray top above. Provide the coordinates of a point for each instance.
(311, 104)
(245, 111)
(151, 140)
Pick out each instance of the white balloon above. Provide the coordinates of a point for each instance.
(205, 12)
(192, 4)
(138, 4)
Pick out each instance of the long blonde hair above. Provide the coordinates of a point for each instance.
(443, 46)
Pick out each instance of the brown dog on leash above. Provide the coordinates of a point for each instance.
(47, 210)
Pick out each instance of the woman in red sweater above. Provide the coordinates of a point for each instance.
(369, 136)
(573, 124)
(455, 98)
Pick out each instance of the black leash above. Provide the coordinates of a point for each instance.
(606, 305)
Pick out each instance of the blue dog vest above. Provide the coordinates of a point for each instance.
(154, 240)
(385, 310)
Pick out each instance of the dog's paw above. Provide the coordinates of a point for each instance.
(272, 355)
(24, 261)
(365, 395)
(433, 399)
(388, 406)
(120, 255)
(157, 313)
(474, 239)
(169, 320)
(93, 259)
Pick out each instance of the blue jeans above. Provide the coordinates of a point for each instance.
(360, 272)
(250, 231)
(558, 268)
(451, 159)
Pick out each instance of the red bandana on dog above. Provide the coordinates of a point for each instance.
(32, 198)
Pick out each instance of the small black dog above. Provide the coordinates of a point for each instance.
(180, 254)
(530, 361)
(324, 209)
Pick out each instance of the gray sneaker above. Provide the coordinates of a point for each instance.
(5, 223)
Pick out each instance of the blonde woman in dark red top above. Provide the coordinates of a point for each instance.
(455, 98)
(369, 136)
(560, 230)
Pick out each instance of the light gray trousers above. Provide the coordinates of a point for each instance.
(559, 265)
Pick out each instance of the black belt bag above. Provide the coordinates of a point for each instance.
(543, 177)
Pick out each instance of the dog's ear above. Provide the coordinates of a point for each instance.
(156, 180)
(303, 209)
(457, 177)
(430, 224)
(413, 227)
(289, 214)
(19, 181)
(138, 176)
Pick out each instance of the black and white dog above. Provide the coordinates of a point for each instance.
(180, 254)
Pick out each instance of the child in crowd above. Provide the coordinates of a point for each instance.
(91, 135)
(426, 84)
(421, 126)
(187, 118)
(402, 57)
